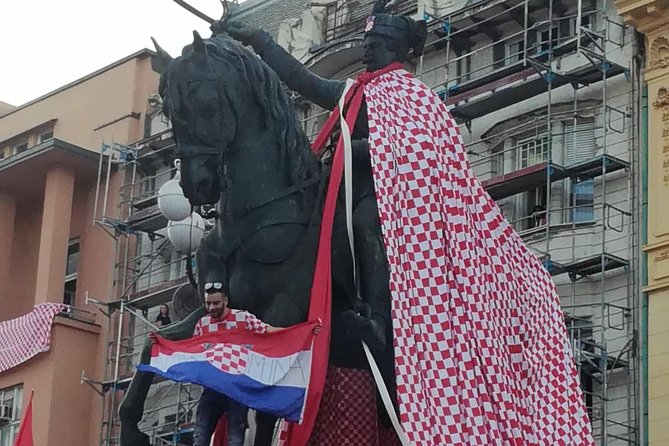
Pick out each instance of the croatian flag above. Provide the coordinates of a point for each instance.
(268, 372)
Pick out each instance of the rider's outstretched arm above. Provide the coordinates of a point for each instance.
(323, 92)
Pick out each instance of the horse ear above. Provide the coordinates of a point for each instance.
(198, 43)
(163, 59)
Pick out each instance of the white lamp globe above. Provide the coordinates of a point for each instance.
(172, 202)
(184, 238)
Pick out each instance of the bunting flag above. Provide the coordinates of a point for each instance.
(268, 372)
(26, 336)
(25, 434)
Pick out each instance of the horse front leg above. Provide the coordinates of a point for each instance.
(132, 406)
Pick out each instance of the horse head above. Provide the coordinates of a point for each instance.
(226, 105)
(204, 121)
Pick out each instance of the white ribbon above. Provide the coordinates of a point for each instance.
(348, 189)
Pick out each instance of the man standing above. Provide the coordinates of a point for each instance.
(213, 405)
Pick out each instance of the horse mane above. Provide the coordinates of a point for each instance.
(225, 55)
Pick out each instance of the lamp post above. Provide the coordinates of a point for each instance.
(172, 202)
(186, 235)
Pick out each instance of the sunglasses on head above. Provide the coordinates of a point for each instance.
(213, 287)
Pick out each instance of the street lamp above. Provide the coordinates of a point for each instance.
(172, 202)
(186, 235)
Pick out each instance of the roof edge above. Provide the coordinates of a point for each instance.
(141, 54)
(45, 147)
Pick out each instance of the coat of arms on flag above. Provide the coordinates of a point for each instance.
(266, 372)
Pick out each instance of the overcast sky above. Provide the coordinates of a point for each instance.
(45, 44)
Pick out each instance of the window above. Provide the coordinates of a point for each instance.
(508, 53)
(547, 40)
(514, 52)
(463, 68)
(22, 147)
(535, 208)
(45, 136)
(579, 146)
(533, 151)
(11, 404)
(71, 272)
(582, 201)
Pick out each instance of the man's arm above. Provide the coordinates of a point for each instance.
(323, 92)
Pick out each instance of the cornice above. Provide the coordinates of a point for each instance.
(645, 15)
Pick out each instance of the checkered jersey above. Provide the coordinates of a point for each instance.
(26, 336)
(235, 319)
(481, 351)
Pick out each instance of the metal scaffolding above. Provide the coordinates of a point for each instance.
(573, 156)
(147, 273)
(548, 93)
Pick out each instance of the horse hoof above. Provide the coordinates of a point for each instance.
(369, 330)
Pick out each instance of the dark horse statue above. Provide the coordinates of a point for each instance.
(242, 148)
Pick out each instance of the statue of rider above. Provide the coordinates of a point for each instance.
(389, 39)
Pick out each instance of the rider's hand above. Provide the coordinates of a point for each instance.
(237, 30)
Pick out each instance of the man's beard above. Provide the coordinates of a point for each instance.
(216, 314)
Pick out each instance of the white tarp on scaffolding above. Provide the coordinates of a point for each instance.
(298, 36)
(440, 8)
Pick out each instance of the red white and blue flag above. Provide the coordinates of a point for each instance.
(268, 372)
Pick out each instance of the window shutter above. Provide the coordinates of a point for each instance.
(579, 142)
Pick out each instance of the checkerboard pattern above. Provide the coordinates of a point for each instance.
(229, 358)
(348, 413)
(26, 336)
(235, 319)
(481, 350)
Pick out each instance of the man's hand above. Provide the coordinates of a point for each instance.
(237, 30)
(317, 328)
(153, 337)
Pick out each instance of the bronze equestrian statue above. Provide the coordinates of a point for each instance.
(241, 147)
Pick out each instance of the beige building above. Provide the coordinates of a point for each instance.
(52, 249)
(564, 108)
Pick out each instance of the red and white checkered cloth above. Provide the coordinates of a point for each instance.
(348, 412)
(235, 319)
(481, 351)
(26, 336)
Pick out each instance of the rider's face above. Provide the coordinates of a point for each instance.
(377, 53)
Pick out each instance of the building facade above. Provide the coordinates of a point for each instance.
(52, 249)
(549, 96)
(651, 18)
(562, 106)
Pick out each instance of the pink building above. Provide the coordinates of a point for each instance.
(52, 249)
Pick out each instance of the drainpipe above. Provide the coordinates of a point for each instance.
(643, 159)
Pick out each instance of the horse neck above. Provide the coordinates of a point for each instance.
(256, 167)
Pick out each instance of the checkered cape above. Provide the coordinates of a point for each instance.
(26, 336)
(481, 351)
